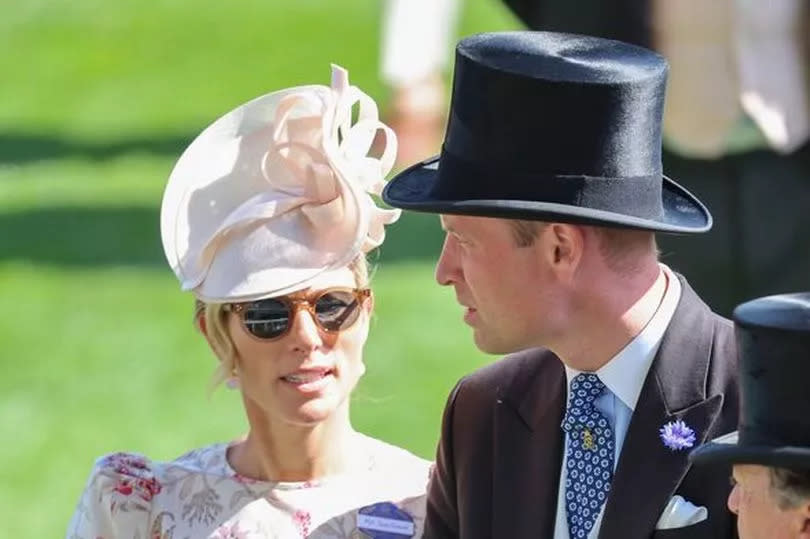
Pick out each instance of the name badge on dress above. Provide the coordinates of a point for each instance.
(384, 521)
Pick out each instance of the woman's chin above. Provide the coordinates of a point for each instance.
(313, 412)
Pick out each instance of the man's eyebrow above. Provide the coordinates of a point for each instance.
(450, 230)
(445, 226)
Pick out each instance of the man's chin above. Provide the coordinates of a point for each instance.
(489, 345)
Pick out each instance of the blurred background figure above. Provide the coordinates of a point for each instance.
(416, 42)
(736, 125)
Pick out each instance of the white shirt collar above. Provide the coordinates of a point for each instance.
(624, 374)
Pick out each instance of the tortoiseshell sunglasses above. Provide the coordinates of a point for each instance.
(332, 309)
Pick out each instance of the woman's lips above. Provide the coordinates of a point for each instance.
(309, 380)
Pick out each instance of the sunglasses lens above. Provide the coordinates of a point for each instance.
(337, 310)
(266, 319)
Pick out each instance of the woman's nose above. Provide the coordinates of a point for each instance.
(304, 331)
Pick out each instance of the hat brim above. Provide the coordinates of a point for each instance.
(411, 190)
(726, 450)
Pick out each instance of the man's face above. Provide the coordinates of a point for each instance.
(507, 291)
(758, 514)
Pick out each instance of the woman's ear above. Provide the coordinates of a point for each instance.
(369, 306)
(201, 324)
(202, 327)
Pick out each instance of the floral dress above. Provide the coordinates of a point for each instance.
(200, 496)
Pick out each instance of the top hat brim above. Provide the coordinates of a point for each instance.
(412, 189)
(727, 450)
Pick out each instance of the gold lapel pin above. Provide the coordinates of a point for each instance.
(587, 440)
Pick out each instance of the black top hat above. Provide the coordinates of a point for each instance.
(550, 126)
(773, 339)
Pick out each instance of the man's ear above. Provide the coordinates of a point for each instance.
(803, 520)
(564, 246)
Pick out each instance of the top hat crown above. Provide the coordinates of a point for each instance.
(773, 342)
(551, 126)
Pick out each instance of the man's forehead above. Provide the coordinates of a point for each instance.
(446, 221)
(455, 223)
(749, 470)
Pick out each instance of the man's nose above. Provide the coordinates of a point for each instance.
(734, 499)
(447, 265)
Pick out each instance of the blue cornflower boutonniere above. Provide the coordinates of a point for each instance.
(677, 435)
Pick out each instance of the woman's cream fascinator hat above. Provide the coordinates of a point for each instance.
(276, 192)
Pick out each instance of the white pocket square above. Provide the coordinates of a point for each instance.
(679, 513)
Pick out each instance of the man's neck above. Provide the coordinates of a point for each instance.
(611, 320)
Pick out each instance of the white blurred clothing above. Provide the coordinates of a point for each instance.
(416, 39)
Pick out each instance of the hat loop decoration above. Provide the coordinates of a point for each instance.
(278, 191)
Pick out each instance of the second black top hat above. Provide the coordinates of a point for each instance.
(773, 340)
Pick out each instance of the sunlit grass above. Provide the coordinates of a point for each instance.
(98, 353)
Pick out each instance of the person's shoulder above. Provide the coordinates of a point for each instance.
(117, 499)
(135, 479)
(209, 460)
(694, 319)
(724, 333)
(132, 477)
(697, 311)
(398, 468)
(396, 458)
(525, 364)
(691, 305)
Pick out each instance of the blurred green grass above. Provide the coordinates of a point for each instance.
(98, 353)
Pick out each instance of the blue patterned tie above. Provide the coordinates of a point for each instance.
(589, 458)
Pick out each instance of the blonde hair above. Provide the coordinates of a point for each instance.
(215, 318)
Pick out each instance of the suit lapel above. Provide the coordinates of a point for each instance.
(527, 450)
(648, 473)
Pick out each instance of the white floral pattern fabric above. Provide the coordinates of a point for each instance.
(200, 496)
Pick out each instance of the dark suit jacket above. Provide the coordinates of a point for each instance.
(501, 448)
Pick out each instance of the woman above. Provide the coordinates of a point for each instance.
(267, 218)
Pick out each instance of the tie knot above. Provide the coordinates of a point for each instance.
(585, 388)
(586, 385)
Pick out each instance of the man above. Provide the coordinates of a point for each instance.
(736, 128)
(550, 189)
(771, 452)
